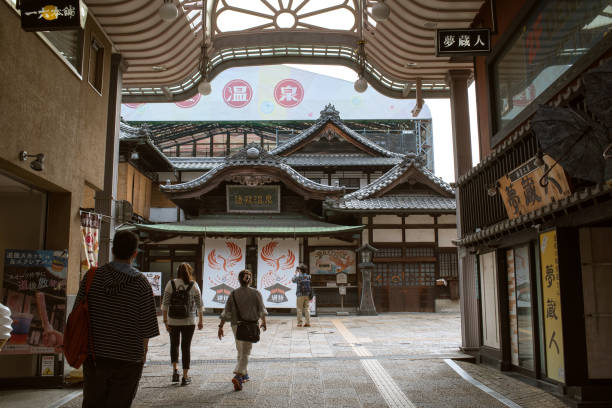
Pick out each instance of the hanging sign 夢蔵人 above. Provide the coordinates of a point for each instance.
(38, 15)
(463, 41)
(522, 192)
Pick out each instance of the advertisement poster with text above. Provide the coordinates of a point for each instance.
(224, 258)
(276, 262)
(551, 297)
(154, 279)
(35, 290)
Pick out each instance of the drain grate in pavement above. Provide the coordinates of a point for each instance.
(347, 344)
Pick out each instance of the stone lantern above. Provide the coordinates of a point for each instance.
(366, 252)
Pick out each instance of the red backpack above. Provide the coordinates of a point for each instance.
(76, 336)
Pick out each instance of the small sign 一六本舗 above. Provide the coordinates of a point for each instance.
(468, 41)
(37, 15)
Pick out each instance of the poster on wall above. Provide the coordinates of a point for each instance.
(332, 261)
(154, 279)
(90, 232)
(276, 262)
(35, 290)
(224, 258)
(551, 297)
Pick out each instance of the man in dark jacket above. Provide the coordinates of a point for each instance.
(122, 319)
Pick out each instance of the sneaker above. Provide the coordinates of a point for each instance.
(245, 378)
(307, 325)
(186, 381)
(237, 381)
(299, 325)
(175, 376)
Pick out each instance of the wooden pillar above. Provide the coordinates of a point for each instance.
(462, 150)
(106, 197)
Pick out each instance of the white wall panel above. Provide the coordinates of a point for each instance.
(419, 219)
(387, 235)
(420, 235)
(446, 237)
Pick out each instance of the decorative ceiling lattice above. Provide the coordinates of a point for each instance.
(164, 59)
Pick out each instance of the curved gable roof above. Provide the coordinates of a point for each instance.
(331, 115)
(384, 183)
(251, 157)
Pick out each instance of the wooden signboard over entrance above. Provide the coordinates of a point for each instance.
(522, 192)
(256, 199)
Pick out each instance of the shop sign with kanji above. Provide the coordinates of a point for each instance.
(52, 15)
(522, 192)
(258, 199)
(470, 41)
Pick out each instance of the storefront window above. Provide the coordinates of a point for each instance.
(523, 307)
(553, 39)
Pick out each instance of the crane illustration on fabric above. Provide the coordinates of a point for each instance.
(226, 279)
(273, 280)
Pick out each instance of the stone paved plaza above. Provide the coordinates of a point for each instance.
(390, 360)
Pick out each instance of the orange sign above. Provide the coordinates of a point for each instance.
(522, 192)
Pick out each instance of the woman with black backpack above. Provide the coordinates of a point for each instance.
(181, 305)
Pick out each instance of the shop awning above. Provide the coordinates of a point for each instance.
(250, 224)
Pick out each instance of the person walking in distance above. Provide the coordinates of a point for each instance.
(250, 307)
(122, 319)
(303, 293)
(181, 306)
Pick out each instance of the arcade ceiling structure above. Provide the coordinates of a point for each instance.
(166, 61)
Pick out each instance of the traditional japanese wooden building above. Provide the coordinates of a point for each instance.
(329, 189)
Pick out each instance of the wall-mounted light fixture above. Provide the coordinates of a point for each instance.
(492, 189)
(37, 164)
(168, 11)
(134, 155)
(380, 11)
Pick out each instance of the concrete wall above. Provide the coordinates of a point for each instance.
(47, 108)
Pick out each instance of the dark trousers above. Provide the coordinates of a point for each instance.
(110, 383)
(181, 335)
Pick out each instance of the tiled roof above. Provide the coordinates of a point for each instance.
(395, 203)
(196, 163)
(129, 133)
(250, 156)
(251, 224)
(301, 160)
(584, 198)
(330, 114)
(410, 160)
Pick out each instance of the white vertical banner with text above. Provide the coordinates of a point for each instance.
(276, 262)
(224, 258)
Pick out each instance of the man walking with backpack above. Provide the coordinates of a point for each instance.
(303, 293)
(122, 318)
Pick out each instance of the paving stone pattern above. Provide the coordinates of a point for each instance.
(316, 367)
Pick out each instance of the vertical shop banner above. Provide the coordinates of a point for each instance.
(551, 297)
(90, 230)
(35, 291)
(223, 261)
(276, 262)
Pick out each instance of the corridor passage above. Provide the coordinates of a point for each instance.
(390, 360)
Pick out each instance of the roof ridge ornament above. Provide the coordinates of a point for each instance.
(254, 152)
(329, 112)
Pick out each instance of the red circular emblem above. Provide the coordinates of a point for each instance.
(288, 93)
(237, 93)
(189, 103)
(133, 105)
